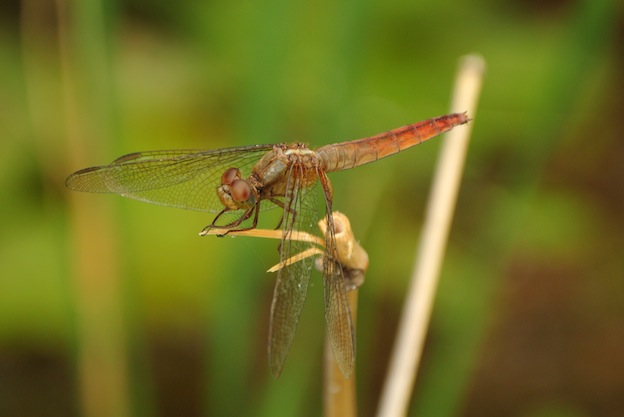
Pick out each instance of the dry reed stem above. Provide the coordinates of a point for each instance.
(275, 234)
(339, 397)
(416, 314)
(350, 254)
(339, 392)
(100, 357)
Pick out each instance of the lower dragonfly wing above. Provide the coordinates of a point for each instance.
(185, 179)
(337, 312)
(291, 286)
(338, 316)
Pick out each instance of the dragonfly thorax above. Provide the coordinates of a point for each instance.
(295, 161)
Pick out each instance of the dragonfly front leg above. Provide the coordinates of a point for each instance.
(231, 227)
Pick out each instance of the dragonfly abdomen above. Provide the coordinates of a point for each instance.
(351, 154)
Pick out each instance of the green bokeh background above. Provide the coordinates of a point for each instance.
(530, 315)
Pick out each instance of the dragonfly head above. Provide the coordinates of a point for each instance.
(234, 192)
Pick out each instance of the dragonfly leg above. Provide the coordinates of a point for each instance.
(213, 225)
(231, 226)
(221, 213)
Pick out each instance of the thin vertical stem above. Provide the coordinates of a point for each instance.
(414, 321)
(339, 396)
(101, 360)
(339, 392)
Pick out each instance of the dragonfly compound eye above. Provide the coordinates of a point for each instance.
(240, 190)
(230, 175)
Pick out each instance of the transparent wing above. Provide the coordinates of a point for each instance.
(179, 178)
(337, 313)
(338, 316)
(291, 286)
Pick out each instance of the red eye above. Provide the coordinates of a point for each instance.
(230, 175)
(240, 190)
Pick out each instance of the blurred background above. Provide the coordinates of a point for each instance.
(113, 307)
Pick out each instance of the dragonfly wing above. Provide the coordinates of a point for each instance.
(338, 316)
(182, 178)
(291, 286)
(337, 312)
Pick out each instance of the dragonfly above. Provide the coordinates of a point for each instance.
(237, 184)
